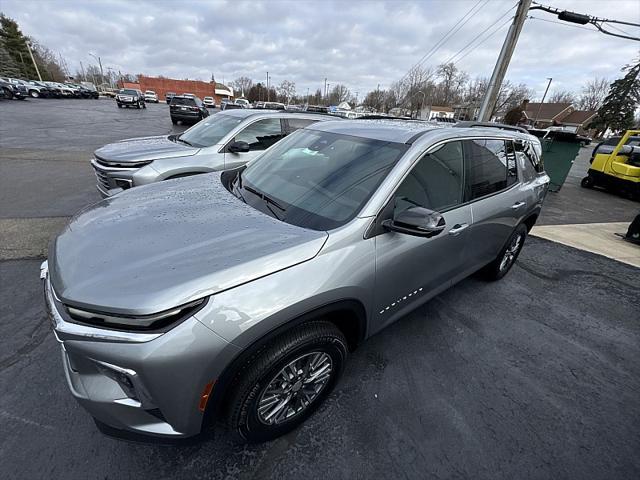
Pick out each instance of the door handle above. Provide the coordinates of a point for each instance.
(517, 205)
(456, 229)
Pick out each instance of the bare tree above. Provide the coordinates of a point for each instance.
(593, 94)
(339, 93)
(287, 91)
(562, 96)
(241, 85)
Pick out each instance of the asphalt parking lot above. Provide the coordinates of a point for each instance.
(533, 377)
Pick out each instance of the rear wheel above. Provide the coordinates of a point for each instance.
(8, 94)
(174, 121)
(34, 93)
(286, 381)
(508, 255)
(119, 106)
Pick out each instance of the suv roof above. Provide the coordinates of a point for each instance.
(407, 131)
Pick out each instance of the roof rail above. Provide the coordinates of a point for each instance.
(374, 116)
(501, 126)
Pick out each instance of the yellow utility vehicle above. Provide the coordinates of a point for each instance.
(617, 168)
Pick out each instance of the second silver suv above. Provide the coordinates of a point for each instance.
(221, 141)
(239, 295)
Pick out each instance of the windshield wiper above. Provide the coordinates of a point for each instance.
(184, 141)
(267, 200)
(265, 197)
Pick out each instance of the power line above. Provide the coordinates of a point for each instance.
(480, 34)
(485, 39)
(459, 24)
(564, 24)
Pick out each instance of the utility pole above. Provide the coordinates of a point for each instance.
(542, 101)
(500, 69)
(84, 76)
(99, 63)
(267, 86)
(326, 93)
(33, 60)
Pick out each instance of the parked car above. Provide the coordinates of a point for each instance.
(32, 90)
(243, 102)
(6, 89)
(62, 90)
(130, 97)
(41, 89)
(168, 96)
(18, 91)
(221, 141)
(186, 108)
(209, 102)
(239, 295)
(230, 106)
(150, 96)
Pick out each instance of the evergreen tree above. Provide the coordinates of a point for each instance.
(16, 45)
(8, 67)
(617, 111)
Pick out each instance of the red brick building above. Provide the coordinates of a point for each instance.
(163, 85)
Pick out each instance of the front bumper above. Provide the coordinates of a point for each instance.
(144, 383)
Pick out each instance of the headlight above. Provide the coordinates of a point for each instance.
(155, 321)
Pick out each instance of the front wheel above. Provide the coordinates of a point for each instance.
(286, 381)
(34, 94)
(174, 121)
(144, 105)
(587, 182)
(507, 256)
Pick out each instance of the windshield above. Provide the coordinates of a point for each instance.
(318, 180)
(210, 131)
(128, 91)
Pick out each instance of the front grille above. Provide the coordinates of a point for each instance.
(123, 166)
(103, 179)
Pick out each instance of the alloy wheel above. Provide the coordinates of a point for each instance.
(294, 388)
(510, 253)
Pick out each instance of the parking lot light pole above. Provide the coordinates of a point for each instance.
(542, 101)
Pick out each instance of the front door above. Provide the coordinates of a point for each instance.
(259, 135)
(411, 269)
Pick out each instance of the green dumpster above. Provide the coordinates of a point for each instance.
(559, 150)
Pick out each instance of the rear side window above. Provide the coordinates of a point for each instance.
(183, 101)
(297, 123)
(485, 167)
(530, 153)
(262, 134)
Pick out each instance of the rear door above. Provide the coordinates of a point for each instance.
(260, 135)
(498, 201)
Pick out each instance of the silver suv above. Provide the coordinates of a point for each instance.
(239, 295)
(222, 141)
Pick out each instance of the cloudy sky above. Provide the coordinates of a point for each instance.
(358, 43)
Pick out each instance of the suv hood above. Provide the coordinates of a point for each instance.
(162, 245)
(144, 149)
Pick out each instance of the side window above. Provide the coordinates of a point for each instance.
(297, 123)
(523, 154)
(485, 167)
(262, 134)
(435, 182)
(512, 165)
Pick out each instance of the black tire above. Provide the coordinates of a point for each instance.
(8, 94)
(138, 106)
(119, 106)
(305, 343)
(497, 269)
(587, 182)
(144, 104)
(174, 121)
(34, 93)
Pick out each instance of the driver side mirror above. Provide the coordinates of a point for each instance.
(239, 147)
(417, 221)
